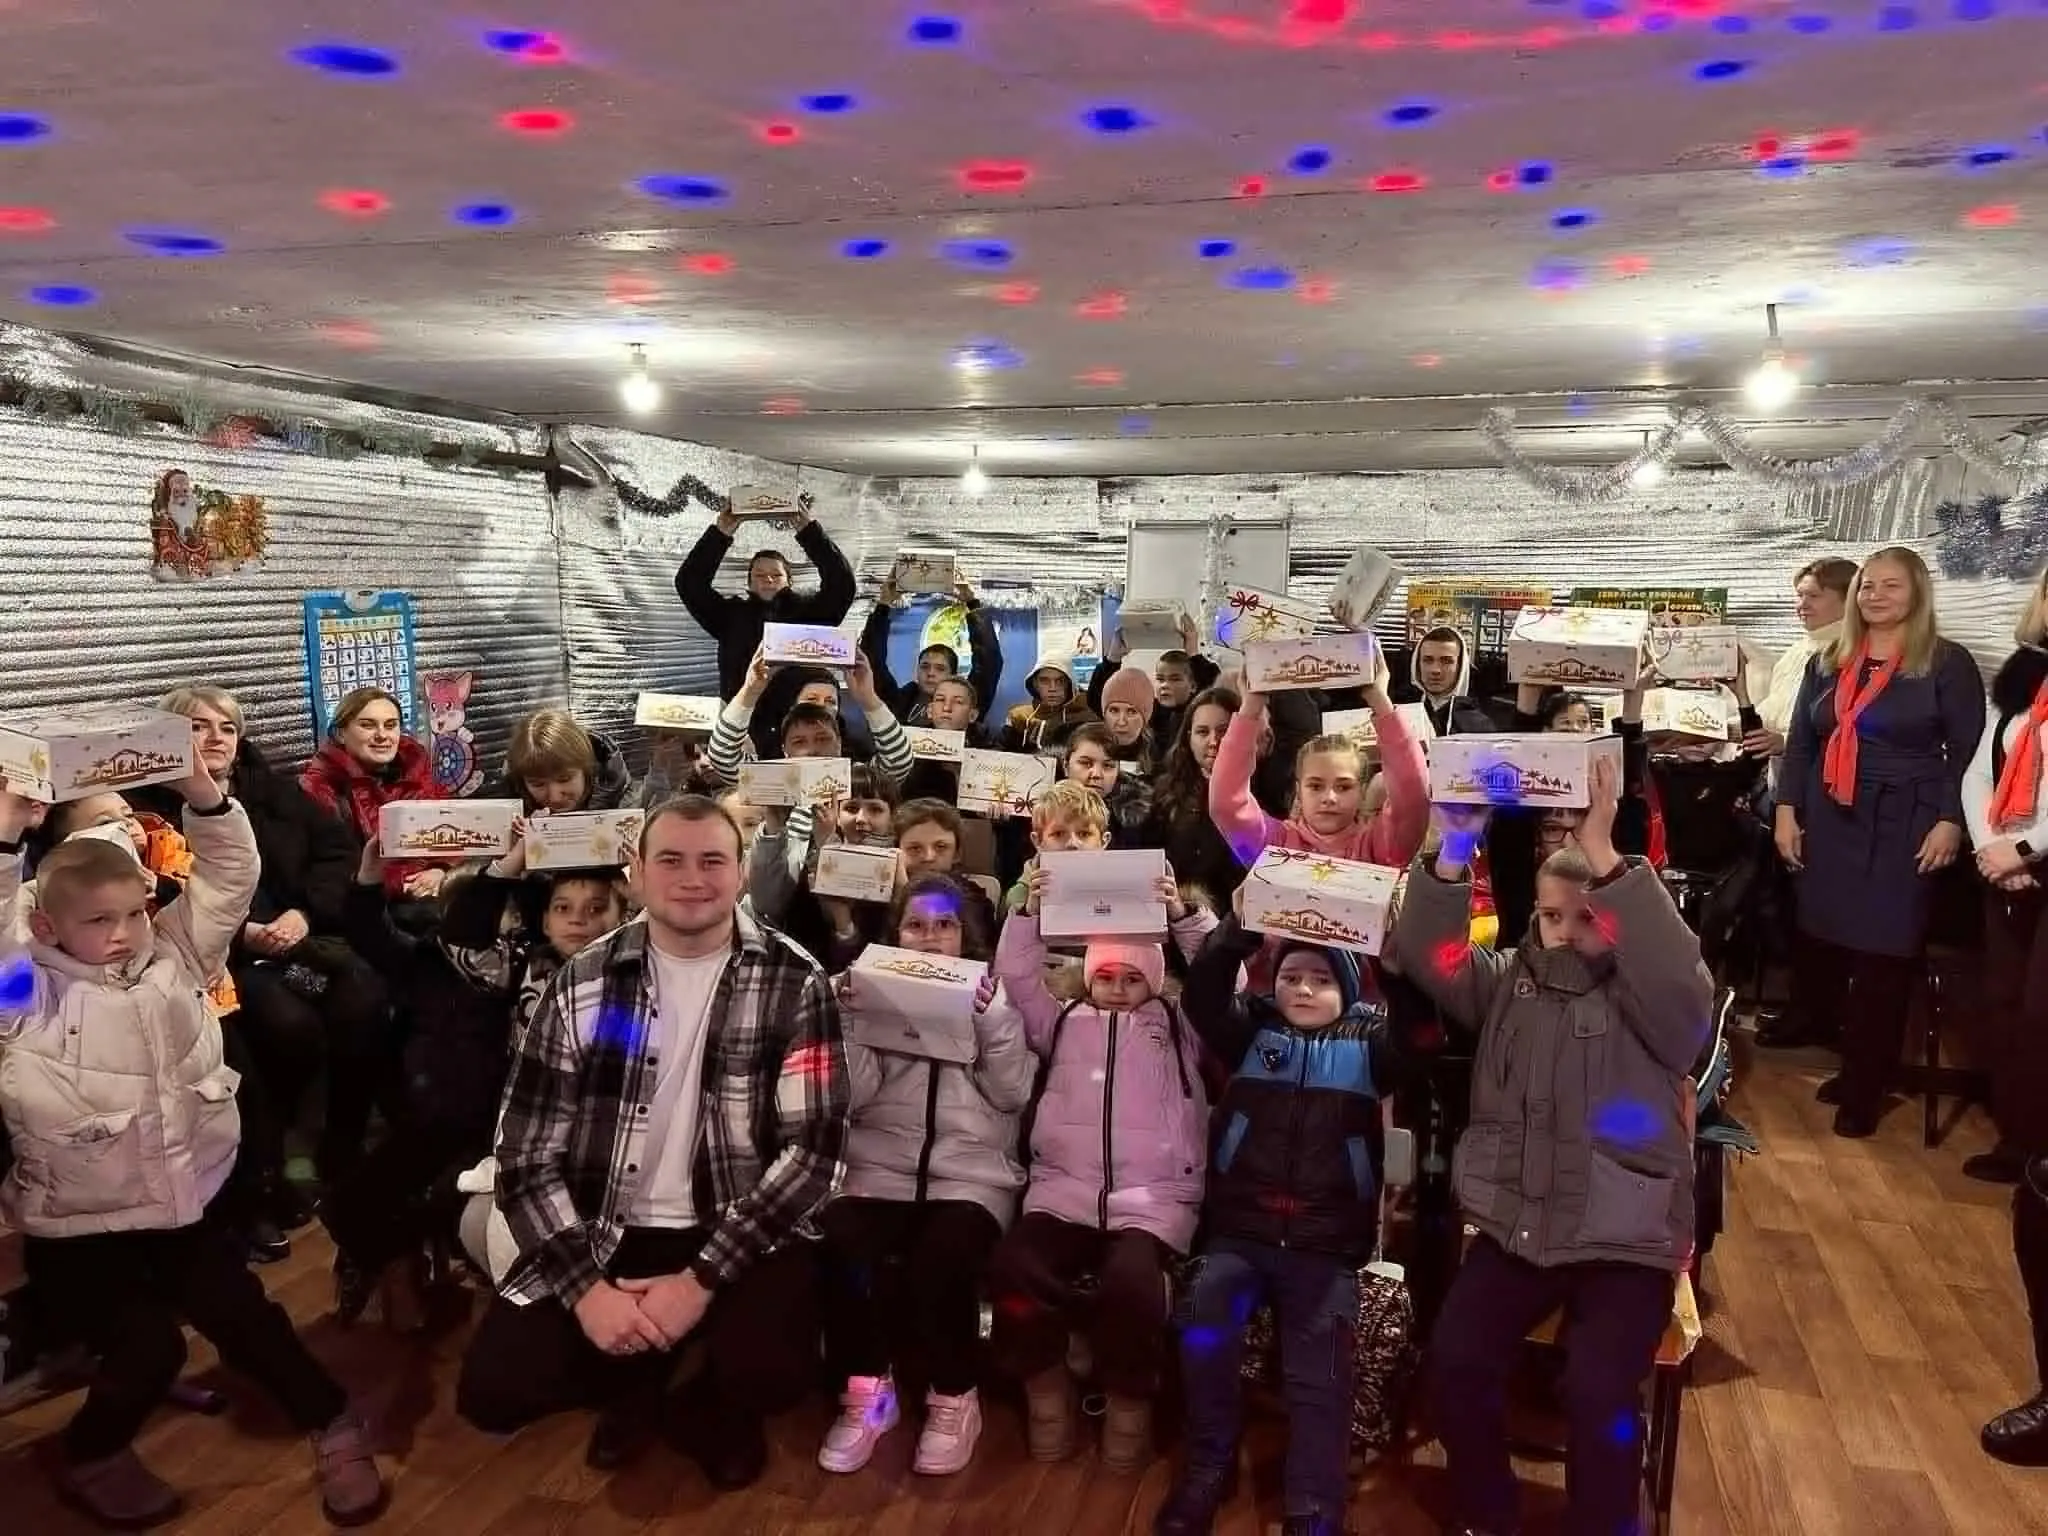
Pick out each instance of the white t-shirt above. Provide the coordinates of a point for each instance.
(676, 1035)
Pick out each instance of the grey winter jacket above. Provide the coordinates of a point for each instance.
(1578, 1147)
(933, 1130)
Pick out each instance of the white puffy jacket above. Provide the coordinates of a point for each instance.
(121, 1110)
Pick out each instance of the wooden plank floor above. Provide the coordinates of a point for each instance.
(1863, 1320)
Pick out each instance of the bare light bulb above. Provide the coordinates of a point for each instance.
(1773, 384)
(974, 482)
(638, 389)
(1649, 472)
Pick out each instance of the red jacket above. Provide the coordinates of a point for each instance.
(347, 789)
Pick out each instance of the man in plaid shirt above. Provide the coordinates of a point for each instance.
(674, 1114)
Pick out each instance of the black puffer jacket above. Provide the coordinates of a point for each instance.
(1297, 1157)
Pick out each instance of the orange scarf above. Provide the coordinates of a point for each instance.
(169, 855)
(2019, 782)
(1852, 698)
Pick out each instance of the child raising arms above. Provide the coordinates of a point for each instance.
(124, 1128)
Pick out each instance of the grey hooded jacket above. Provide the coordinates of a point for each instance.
(1579, 1147)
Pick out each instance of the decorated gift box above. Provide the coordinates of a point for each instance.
(582, 839)
(1362, 588)
(694, 713)
(1247, 614)
(934, 745)
(927, 570)
(914, 1003)
(69, 754)
(1540, 770)
(1322, 661)
(1103, 894)
(1702, 713)
(1340, 903)
(1579, 647)
(853, 873)
(1153, 623)
(1002, 783)
(1695, 653)
(1355, 725)
(446, 829)
(762, 501)
(791, 781)
(807, 645)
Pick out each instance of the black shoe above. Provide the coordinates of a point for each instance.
(621, 1436)
(265, 1243)
(731, 1448)
(283, 1203)
(1194, 1501)
(2019, 1436)
(1854, 1125)
(353, 1288)
(2001, 1165)
(1829, 1092)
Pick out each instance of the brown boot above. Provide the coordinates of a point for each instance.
(352, 1490)
(119, 1491)
(1049, 1410)
(1127, 1433)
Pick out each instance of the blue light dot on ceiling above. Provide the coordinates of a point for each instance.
(502, 41)
(1533, 173)
(1261, 279)
(1557, 276)
(1975, 10)
(346, 59)
(978, 253)
(62, 295)
(938, 30)
(1411, 114)
(1578, 405)
(173, 242)
(864, 250)
(1115, 120)
(1809, 25)
(22, 128)
(683, 189)
(485, 215)
(1721, 69)
(1212, 250)
(1574, 218)
(1897, 18)
(1783, 165)
(1309, 161)
(1990, 154)
(1731, 26)
(1133, 426)
(1659, 21)
(1600, 10)
(827, 102)
(988, 354)
(1877, 251)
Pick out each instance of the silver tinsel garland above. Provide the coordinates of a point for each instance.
(1972, 447)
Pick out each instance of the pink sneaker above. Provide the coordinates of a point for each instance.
(951, 1426)
(867, 1411)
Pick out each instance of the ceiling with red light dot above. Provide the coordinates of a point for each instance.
(1288, 234)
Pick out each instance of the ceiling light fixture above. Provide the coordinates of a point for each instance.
(974, 482)
(638, 389)
(1650, 471)
(1775, 381)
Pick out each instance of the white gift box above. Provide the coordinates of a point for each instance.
(1338, 903)
(1103, 894)
(1579, 647)
(1699, 712)
(1539, 770)
(762, 501)
(853, 873)
(1362, 589)
(1153, 623)
(446, 829)
(1355, 725)
(69, 754)
(934, 745)
(694, 713)
(790, 781)
(1324, 661)
(913, 1003)
(807, 645)
(927, 570)
(1698, 653)
(1246, 614)
(1002, 783)
(582, 839)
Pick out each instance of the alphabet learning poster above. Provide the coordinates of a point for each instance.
(360, 640)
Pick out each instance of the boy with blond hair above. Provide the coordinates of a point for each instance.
(1065, 817)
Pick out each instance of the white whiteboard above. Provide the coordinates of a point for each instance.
(1171, 559)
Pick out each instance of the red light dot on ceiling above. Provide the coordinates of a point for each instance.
(1380, 42)
(994, 175)
(1103, 306)
(781, 133)
(782, 405)
(1398, 181)
(542, 122)
(1629, 266)
(544, 50)
(348, 333)
(1017, 293)
(1252, 186)
(1501, 181)
(357, 203)
(1426, 360)
(1316, 290)
(25, 221)
(1768, 147)
(709, 263)
(1992, 216)
(1102, 377)
(626, 289)
(1835, 145)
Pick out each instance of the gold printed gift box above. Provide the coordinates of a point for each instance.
(933, 745)
(1337, 903)
(1539, 770)
(762, 501)
(806, 645)
(1697, 653)
(69, 754)
(812, 781)
(1697, 712)
(1153, 623)
(1002, 783)
(913, 1003)
(582, 839)
(855, 874)
(1103, 893)
(1323, 661)
(446, 829)
(1579, 647)
(1248, 614)
(927, 570)
(695, 713)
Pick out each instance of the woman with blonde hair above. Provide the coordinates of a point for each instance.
(1870, 810)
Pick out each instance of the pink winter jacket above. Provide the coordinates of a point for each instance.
(1121, 1133)
(1392, 835)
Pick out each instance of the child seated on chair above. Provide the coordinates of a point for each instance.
(1118, 1143)
(1293, 1211)
(1577, 1168)
(122, 1117)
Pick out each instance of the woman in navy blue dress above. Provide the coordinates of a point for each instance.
(1870, 810)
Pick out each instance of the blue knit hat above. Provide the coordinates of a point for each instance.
(1343, 965)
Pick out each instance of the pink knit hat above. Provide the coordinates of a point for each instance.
(1127, 685)
(1148, 960)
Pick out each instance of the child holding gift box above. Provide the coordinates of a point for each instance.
(122, 1145)
(1092, 761)
(931, 1181)
(1118, 1144)
(1582, 1196)
(954, 706)
(1067, 816)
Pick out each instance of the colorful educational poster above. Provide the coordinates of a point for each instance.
(1666, 606)
(1482, 611)
(360, 640)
